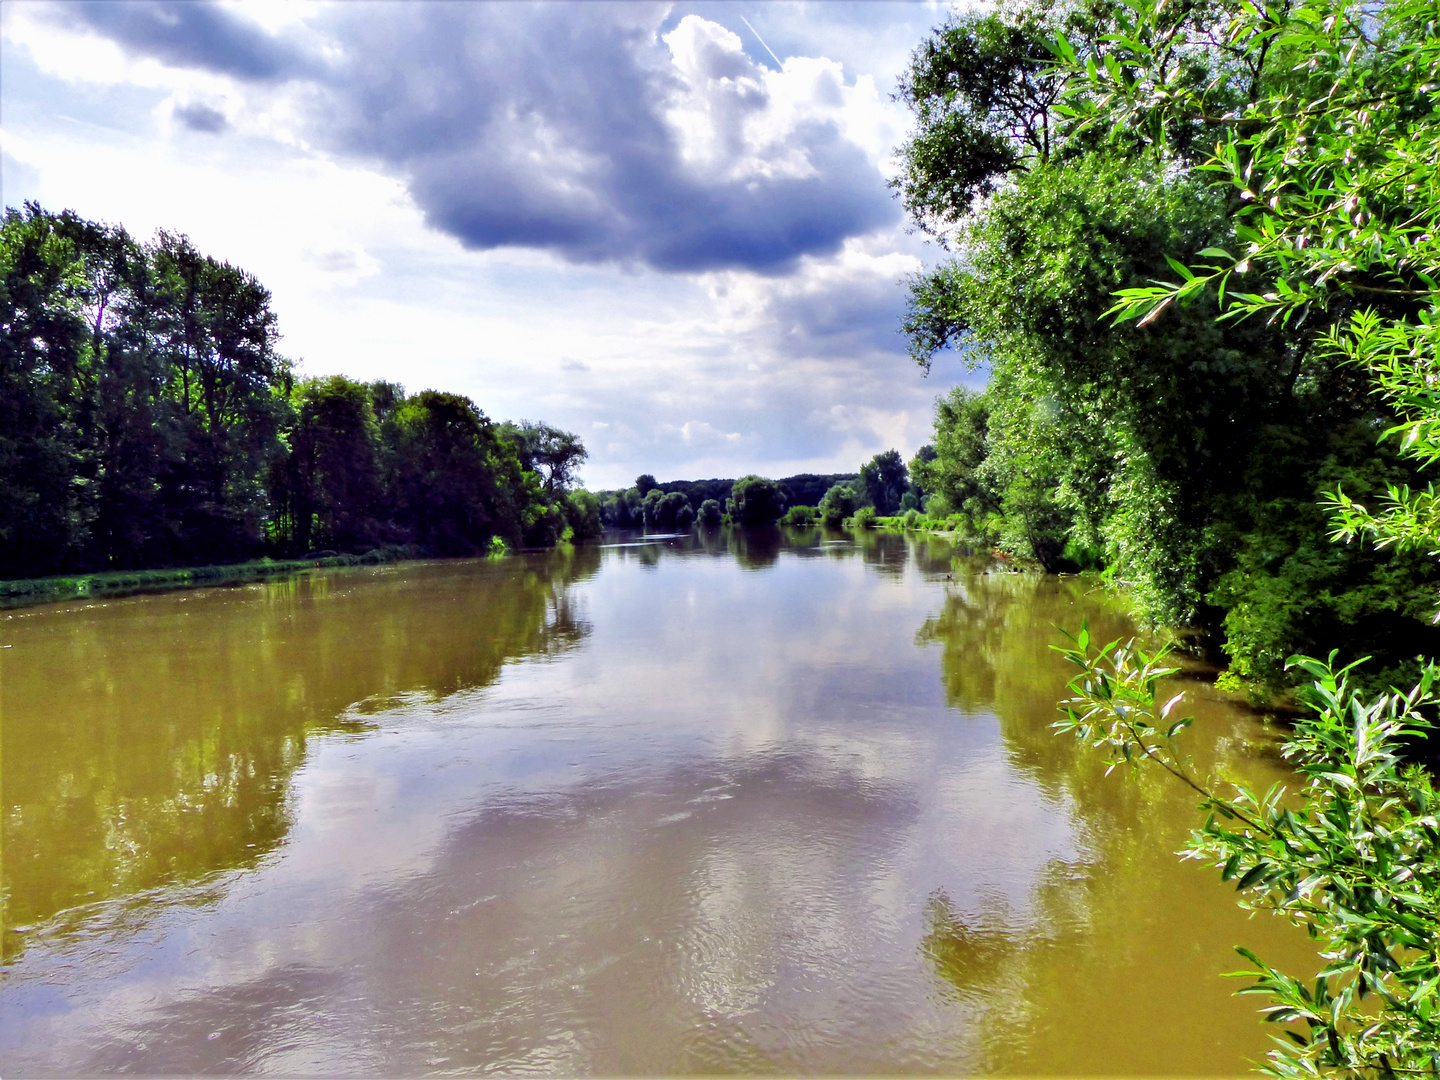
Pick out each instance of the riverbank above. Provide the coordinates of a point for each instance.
(112, 583)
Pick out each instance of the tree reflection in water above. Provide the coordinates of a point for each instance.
(159, 734)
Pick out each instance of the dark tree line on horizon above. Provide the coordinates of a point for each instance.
(883, 484)
(147, 419)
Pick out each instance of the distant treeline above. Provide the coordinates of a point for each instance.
(146, 419)
(883, 484)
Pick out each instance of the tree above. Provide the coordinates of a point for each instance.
(758, 501)
(552, 454)
(335, 464)
(147, 419)
(41, 520)
(650, 507)
(1337, 174)
(1336, 167)
(622, 509)
(219, 334)
(662, 509)
(141, 384)
(582, 511)
(644, 484)
(884, 481)
(837, 504)
(459, 483)
(1197, 512)
(954, 465)
(984, 94)
(711, 513)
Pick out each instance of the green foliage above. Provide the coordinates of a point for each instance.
(983, 92)
(622, 509)
(801, 516)
(758, 501)
(665, 512)
(711, 513)
(459, 483)
(884, 481)
(552, 454)
(1334, 164)
(864, 518)
(146, 419)
(837, 504)
(1169, 454)
(1351, 856)
(141, 399)
(582, 512)
(333, 494)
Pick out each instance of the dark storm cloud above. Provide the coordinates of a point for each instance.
(545, 127)
(198, 117)
(191, 35)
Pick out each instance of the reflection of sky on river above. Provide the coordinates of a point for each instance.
(696, 841)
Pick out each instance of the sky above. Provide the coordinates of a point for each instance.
(664, 227)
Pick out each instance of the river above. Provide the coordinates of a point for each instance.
(740, 804)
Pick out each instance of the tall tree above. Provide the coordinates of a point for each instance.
(459, 483)
(334, 459)
(884, 480)
(42, 523)
(1177, 452)
(552, 454)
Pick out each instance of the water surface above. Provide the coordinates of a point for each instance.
(753, 804)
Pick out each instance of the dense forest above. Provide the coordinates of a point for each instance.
(147, 419)
(1189, 456)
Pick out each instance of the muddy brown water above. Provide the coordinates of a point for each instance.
(736, 804)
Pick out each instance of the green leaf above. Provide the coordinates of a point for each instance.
(1180, 268)
(1254, 874)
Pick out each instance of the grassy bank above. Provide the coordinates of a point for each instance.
(112, 583)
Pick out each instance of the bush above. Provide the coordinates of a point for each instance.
(711, 513)
(582, 511)
(911, 519)
(837, 504)
(864, 518)
(800, 515)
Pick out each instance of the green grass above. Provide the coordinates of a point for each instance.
(25, 591)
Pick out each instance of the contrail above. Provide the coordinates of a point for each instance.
(761, 40)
